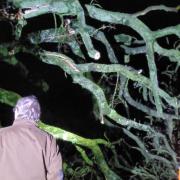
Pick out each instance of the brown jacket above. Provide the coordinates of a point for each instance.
(28, 153)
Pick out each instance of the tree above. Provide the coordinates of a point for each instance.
(117, 85)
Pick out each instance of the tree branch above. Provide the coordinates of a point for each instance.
(10, 98)
(155, 8)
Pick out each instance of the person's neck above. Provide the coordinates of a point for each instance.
(24, 121)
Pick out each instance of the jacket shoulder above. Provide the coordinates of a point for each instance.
(5, 129)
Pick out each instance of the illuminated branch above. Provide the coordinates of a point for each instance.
(167, 31)
(153, 146)
(144, 108)
(68, 65)
(10, 98)
(172, 54)
(155, 8)
(148, 155)
(144, 31)
(35, 8)
(55, 59)
(71, 68)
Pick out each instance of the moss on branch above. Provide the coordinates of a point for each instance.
(158, 153)
(62, 8)
(71, 68)
(10, 98)
(144, 31)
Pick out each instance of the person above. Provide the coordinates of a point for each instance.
(26, 152)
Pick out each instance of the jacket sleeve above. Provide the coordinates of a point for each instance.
(54, 168)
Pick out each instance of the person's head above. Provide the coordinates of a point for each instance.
(27, 108)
